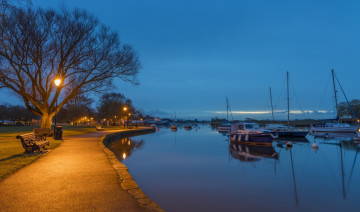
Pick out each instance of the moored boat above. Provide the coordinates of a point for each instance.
(285, 131)
(280, 130)
(250, 133)
(334, 127)
(337, 127)
(173, 127)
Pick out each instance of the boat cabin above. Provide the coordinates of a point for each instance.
(245, 126)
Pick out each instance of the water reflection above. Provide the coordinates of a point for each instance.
(337, 136)
(250, 153)
(341, 147)
(124, 147)
(194, 167)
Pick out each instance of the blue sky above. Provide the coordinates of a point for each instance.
(195, 53)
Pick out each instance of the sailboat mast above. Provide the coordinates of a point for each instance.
(227, 109)
(288, 101)
(336, 102)
(272, 108)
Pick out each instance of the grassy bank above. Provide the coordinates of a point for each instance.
(12, 155)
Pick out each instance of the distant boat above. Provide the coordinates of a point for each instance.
(357, 137)
(336, 127)
(250, 133)
(225, 125)
(173, 126)
(187, 127)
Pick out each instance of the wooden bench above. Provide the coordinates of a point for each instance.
(32, 143)
(42, 133)
(99, 128)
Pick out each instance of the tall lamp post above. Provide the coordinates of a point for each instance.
(125, 109)
(57, 83)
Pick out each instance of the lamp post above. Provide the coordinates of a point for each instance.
(57, 83)
(125, 109)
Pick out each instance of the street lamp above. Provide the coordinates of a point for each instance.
(125, 109)
(57, 83)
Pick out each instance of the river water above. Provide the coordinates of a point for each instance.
(201, 170)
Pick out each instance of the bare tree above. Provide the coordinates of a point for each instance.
(112, 104)
(38, 45)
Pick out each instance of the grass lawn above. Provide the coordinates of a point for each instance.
(12, 154)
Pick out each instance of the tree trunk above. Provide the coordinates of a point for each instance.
(46, 121)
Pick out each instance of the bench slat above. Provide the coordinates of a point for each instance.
(31, 142)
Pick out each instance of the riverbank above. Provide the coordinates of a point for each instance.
(76, 176)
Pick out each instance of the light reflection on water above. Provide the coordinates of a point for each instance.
(201, 170)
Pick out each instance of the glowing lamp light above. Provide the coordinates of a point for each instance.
(124, 156)
(57, 82)
(125, 108)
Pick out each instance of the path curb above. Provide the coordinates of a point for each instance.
(126, 180)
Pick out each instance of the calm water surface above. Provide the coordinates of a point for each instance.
(201, 170)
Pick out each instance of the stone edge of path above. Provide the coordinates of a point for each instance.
(126, 180)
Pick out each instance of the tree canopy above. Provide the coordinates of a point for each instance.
(38, 45)
(112, 104)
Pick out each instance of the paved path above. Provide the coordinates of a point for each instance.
(77, 176)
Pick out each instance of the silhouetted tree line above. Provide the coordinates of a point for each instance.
(344, 109)
(110, 107)
(16, 113)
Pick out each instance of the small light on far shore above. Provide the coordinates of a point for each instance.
(124, 156)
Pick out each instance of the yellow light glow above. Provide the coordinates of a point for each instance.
(125, 108)
(57, 82)
(129, 114)
(124, 156)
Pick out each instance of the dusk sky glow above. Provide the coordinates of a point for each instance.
(195, 53)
